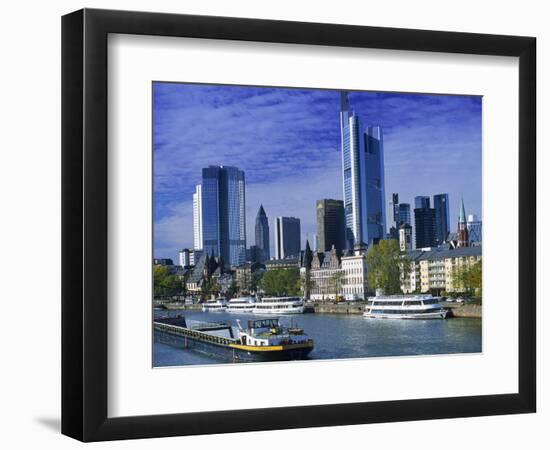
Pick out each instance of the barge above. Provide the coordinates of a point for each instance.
(262, 339)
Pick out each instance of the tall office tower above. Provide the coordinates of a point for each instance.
(462, 227)
(331, 226)
(424, 224)
(421, 201)
(224, 213)
(287, 237)
(474, 229)
(404, 214)
(405, 237)
(184, 257)
(262, 235)
(395, 208)
(315, 240)
(197, 218)
(442, 221)
(363, 178)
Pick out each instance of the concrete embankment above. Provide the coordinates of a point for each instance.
(455, 309)
(180, 306)
(337, 308)
(471, 311)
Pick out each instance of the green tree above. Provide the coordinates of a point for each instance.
(232, 289)
(384, 262)
(164, 283)
(335, 283)
(256, 279)
(307, 284)
(468, 279)
(281, 282)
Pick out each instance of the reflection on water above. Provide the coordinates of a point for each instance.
(347, 336)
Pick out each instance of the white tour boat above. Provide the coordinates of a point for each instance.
(241, 305)
(218, 305)
(279, 305)
(404, 307)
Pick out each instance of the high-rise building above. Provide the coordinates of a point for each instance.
(194, 256)
(315, 240)
(424, 224)
(184, 257)
(442, 220)
(462, 227)
(474, 229)
(197, 218)
(405, 237)
(395, 207)
(330, 225)
(363, 178)
(223, 213)
(404, 214)
(421, 201)
(287, 237)
(262, 235)
(401, 216)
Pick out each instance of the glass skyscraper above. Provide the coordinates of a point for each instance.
(330, 225)
(424, 224)
(223, 213)
(363, 178)
(442, 218)
(474, 229)
(404, 214)
(287, 237)
(421, 201)
(262, 235)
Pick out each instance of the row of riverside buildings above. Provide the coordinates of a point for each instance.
(346, 228)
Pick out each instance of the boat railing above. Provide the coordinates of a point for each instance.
(190, 333)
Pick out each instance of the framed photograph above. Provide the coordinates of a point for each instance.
(273, 224)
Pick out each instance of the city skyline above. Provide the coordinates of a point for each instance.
(288, 145)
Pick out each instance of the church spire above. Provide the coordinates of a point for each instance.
(462, 227)
(462, 218)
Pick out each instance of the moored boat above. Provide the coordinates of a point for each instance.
(404, 307)
(261, 340)
(217, 305)
(241, 305)
(279, 305)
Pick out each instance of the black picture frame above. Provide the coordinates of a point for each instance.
(84, 224)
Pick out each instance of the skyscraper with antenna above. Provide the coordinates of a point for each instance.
(363, 178)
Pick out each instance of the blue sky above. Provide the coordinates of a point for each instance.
(288, 143)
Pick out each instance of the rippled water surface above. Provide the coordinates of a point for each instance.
(347, 336)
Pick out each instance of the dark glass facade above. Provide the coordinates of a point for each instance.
(424, 224)
(223, 213)
(442, 218)
(331, 226)
(287, 237)
(404, 214)
(261, 232)
(421, 201)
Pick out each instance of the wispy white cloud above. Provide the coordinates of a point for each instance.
(287, 142)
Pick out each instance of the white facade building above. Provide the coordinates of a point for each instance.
(197, 218)
(184, 257)
(354, 282)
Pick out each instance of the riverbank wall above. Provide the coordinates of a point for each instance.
(470, 311)
(455, 309)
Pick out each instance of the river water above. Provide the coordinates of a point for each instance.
(346, 336)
